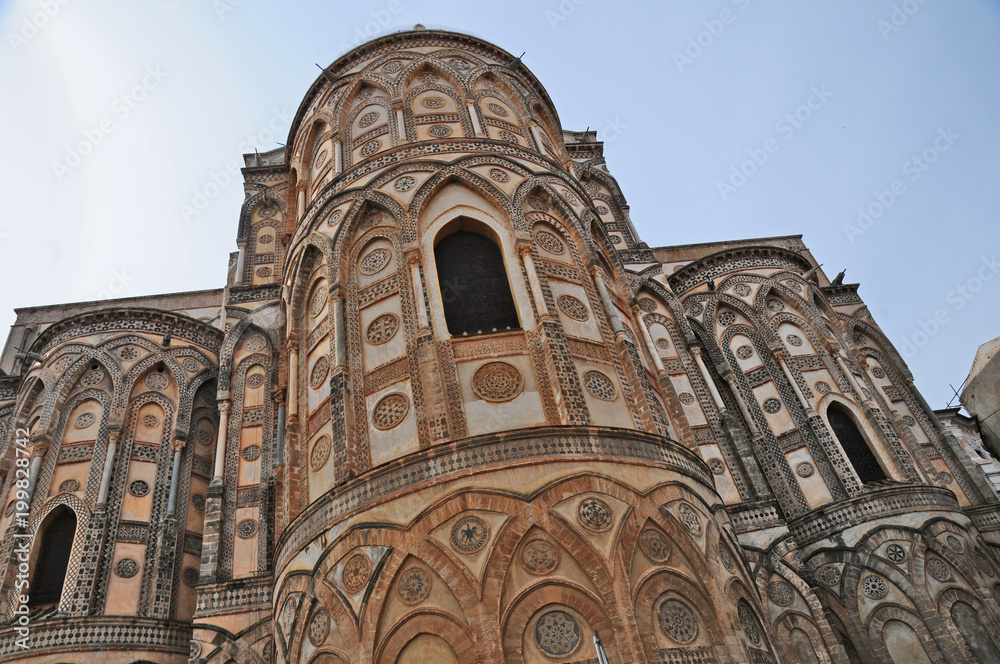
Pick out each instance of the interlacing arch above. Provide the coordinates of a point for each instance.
(367, 203)
(251, 204)
(88, 356)
(456, 173)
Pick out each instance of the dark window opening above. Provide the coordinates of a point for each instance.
(53, 559)
(855, 446)
(474, 285)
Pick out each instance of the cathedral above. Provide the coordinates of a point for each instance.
(448, 408)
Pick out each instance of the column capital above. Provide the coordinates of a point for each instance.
(223, 407)
(179, 445)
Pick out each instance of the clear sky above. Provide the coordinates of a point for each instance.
(120, 121)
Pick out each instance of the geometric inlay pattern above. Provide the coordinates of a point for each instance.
(678, 621)
(497, 382)
(156, 381)
(138, 488)
(690, 518)
(319, 628)
(595, 514)
(69, 486)
(804, 469)
(830, 575)
(371, 147)
(357, 571)
(874, 587)
(938, 569)
(600, 386)
(557, 633)
(749, 623)
(190, 576)
(320, 453)
(539, 557)
(127, 568)
(390, 411)
(414, 586)
(406, 182)
(895, 553)
(573, 308)
(654, 545)
(246, 528)
(382, 329)
(319, 372)
(375, 261)
(780, 592)
(549, 242)
(469, 534)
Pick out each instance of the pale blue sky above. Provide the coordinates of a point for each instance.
(206, 81)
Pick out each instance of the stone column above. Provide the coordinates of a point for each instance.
(524, 249)
(707, 377)
(293, 380)
(175, 473)
(300, 200)
(339, 331)
(413, 260)
(109, 462)
(650, 346)
(616, 323)
(220, 441)
(474, 116)
(400, 125)
(241, 261)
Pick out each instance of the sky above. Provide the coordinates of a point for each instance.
(867, 126)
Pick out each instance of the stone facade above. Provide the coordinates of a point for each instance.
(704, 453)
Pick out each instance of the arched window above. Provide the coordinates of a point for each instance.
(974, 633)
(53, 559)
(474, 287)
(855, 446)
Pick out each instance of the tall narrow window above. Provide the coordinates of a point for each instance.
(53, 559)
(474, 285)
(855, 446)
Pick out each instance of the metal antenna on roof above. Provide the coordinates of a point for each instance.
(327, 74)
